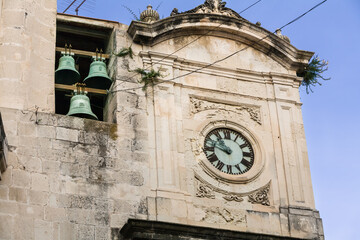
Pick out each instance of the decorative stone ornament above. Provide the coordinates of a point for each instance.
(211, 6)
(279, 34)
(149, 15)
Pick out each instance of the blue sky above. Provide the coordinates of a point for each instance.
(331, 114)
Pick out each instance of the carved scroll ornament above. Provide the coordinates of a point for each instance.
(205, 191)
(211, 6)
(199, 105)
(260, 197)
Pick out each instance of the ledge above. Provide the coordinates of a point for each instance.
(3, 148)
(142, 229)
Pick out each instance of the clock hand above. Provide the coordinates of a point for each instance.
(220, 144)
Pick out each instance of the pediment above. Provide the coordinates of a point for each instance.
(223, 26)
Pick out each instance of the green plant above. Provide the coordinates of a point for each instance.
(312, 73)
(148, 77)
(125, 52)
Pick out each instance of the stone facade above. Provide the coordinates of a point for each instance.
(73, 178)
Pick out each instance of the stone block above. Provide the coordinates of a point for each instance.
(10, 127)
(13, 18)
(85, 232)
(18, 195)
(4, 192)
(67, 134)
(81, 202)
(9, 207)
(50, 166)
(39, 182)
(33, 164)
(32, 211)
(102, 218)
(6, 226)
(26, 129)
(55, 214)
(46, 131)
(38, 197)
(57, 185)
(26, 231)
(74, 170)
(129, 177)
(43, 229)
(117, 220)
(67, 231)
(81, 216)
(102, 233)
(21, 178)
(70, 122)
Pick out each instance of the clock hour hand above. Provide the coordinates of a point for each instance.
(220, 144)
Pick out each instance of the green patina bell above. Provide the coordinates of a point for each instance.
(66, 72)
(80, 106)
(98, 77)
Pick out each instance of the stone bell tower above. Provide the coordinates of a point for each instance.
(226, 140)
(215, 149)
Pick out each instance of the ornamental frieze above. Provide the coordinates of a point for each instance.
(199, 105)
(259, 196)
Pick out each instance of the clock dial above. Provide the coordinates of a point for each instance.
(228, 151)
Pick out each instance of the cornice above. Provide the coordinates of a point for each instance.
(236, 29)
(183, 64)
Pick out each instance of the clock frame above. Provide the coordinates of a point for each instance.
(228, 151)
(257, 156)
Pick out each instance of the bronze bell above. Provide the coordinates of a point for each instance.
(98, 77)
(66, 72)
(80, 106)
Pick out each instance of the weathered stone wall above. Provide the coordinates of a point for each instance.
(68, 178)
(26, 68)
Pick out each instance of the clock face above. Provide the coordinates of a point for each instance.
(228, 151)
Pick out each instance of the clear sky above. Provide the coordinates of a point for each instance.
(331, 114)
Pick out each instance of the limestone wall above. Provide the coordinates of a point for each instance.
(27, 55)
(68, 178)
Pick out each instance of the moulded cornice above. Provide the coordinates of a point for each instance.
(223, 26)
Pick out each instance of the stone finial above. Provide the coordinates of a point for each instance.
(212, 7)
(279, 34)
(149, 15)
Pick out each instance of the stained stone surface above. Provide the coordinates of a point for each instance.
(73, 178)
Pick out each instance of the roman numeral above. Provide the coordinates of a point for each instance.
(227, 134)
(247, 154)
(238, 167)
(246, 163)
(229, 169)
(243, 145)
(217, 134)
(220, 165)
(213, 158)
(210, 149)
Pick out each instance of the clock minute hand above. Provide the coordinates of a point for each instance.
(221, 145)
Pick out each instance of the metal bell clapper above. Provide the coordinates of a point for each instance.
(98, 77)
(80, 104)
(66, 72)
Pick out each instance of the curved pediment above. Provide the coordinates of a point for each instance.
(223, 26)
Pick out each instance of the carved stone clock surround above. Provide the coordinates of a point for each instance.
(205, 165)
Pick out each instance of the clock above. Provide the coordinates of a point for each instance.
(228, 151)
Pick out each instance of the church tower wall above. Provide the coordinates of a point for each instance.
(144, 171)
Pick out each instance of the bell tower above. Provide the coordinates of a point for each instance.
(227, 147)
